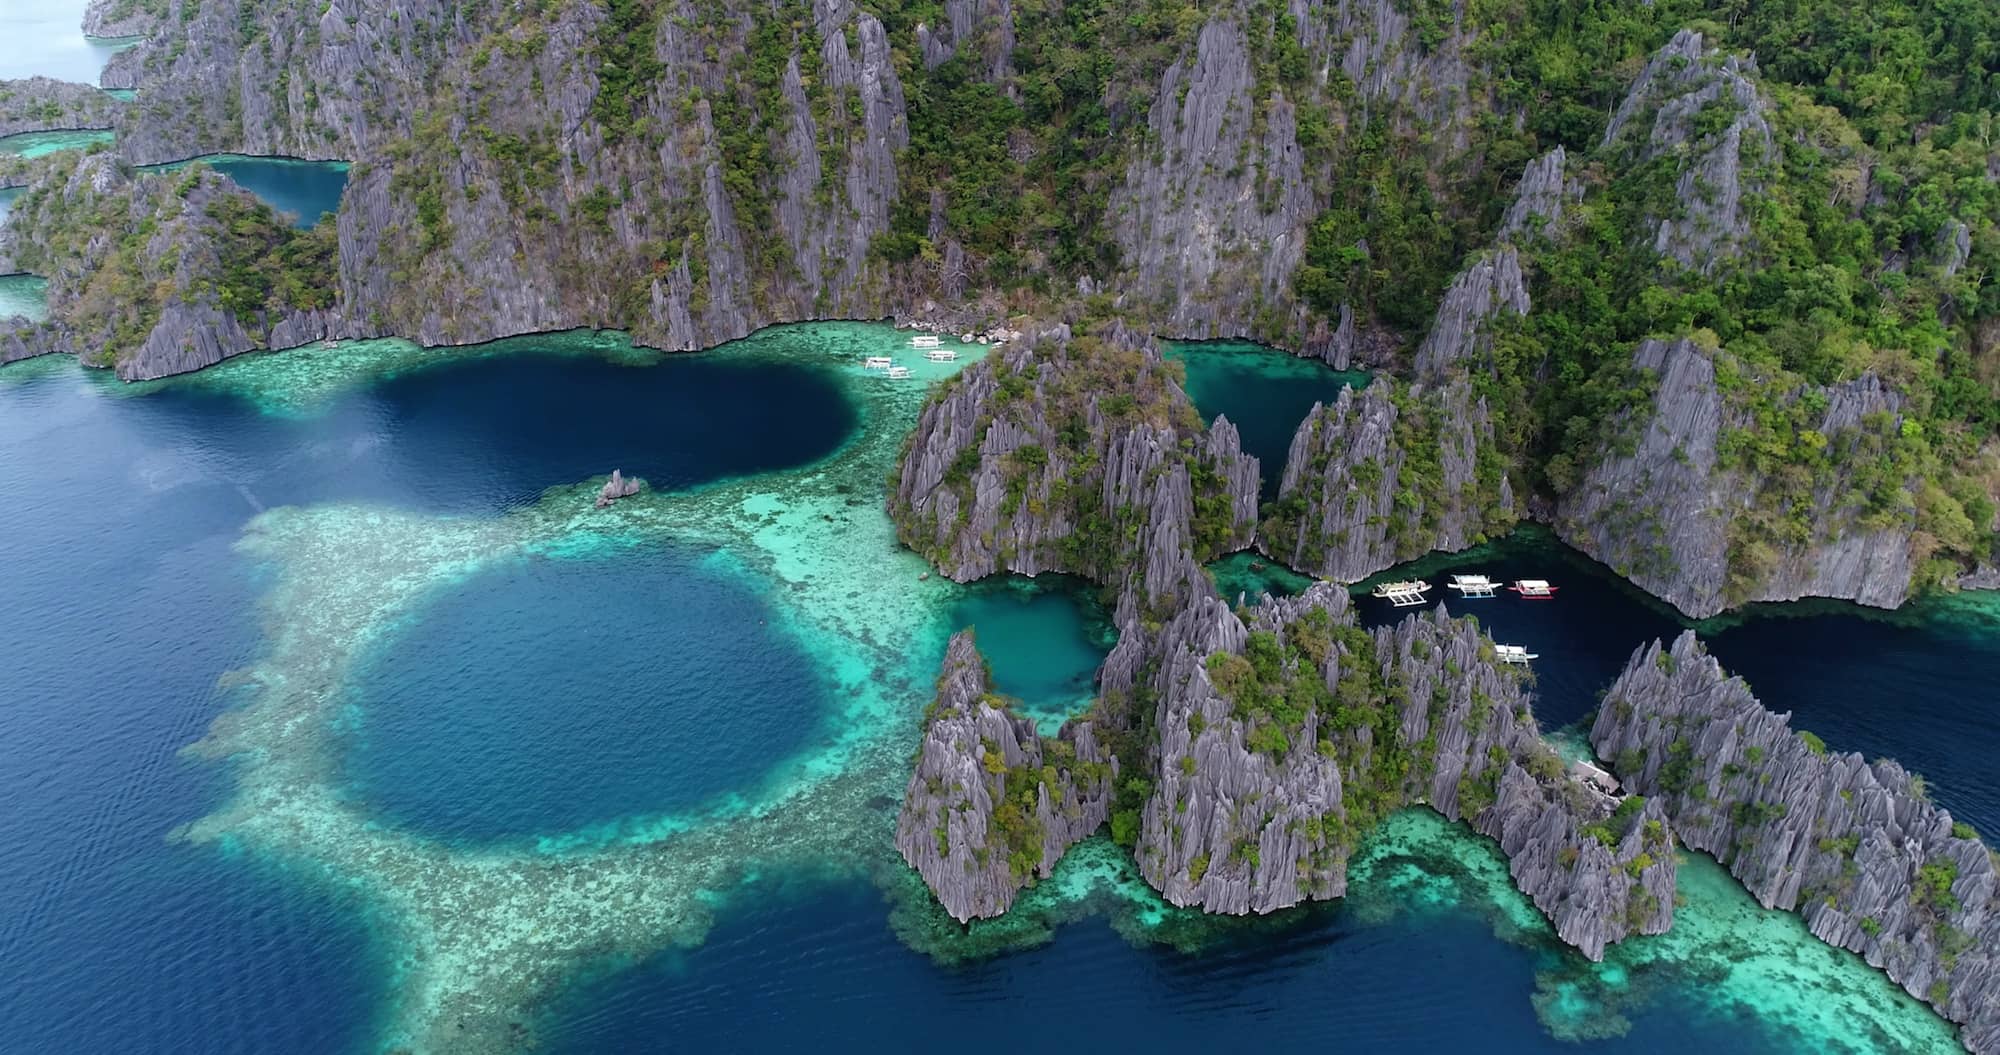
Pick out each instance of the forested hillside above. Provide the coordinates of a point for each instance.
(1787, 210)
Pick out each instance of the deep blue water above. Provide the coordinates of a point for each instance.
(304, 189)
(1432, 982)
(662, 684)
(126, 603)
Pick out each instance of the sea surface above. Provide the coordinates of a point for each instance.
(44, 38)
(435, 697)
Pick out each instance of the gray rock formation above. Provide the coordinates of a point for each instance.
(480, 132)
(1668, 508)
(1492, 284)
(1857, 848)
(1073, 454)
(992, 806)
(1282, 740)
(1668, 112)
(1215, 196)
(1386, 474)
(123, 18)
(43, 104)
(139, 266)
(22, 339)
(619, 486)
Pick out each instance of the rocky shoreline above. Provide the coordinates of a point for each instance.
(1855, 847)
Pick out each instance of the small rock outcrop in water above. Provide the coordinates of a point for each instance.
(1282, 740)
(991, 806)
(619, 486)
(1857, 848)
(44, 104)
(1670, 510)
(1076, 454)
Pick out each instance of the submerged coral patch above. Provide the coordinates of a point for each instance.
(481, 937)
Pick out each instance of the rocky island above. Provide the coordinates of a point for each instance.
(1856, 847)
(1249, 752)
(1705, 292)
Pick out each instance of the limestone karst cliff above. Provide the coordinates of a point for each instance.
(1074, 453)
(1387, 474)
(1856, 847)
(158, 274)
(991, 806)
(1351, 180)
(1683, 510)
(1282, 736)
(40, 104)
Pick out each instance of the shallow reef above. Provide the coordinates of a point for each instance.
(482, 938)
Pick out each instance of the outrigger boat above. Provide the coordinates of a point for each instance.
(941, 355)
(877, 362)
(1514, 654)
(1406, 594)
(925, 340)
(1534, 589)
(899, 373)
(1473, 585)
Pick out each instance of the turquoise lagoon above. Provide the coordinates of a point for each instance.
(342, 721)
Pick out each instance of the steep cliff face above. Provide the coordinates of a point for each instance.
(1386, 474)
(43, 104)
(1857, 848)
(1493, 287)
(1077, 454)
(1281, 741)
(1671, 504)
(1702, 108)
(694, 173)
(1395, 471)
(163, 274)
(123, 18)
(319, 79)
(991, 806)
(1212, 222)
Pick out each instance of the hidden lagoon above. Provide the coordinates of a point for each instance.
(497, 769)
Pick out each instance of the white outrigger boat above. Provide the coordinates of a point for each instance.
(1534, 589)
(877, 362)
(941, 355)
(926, 340)
(1473, 585)
(1406, 594)
(899, 373)
(1514, 654)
